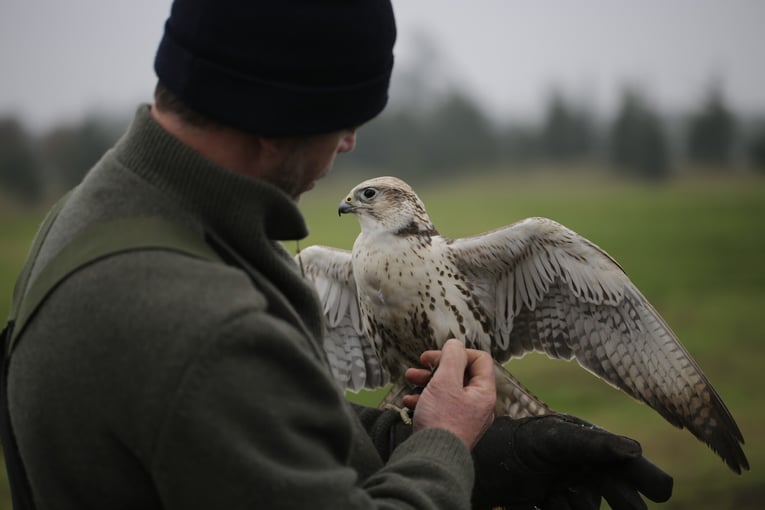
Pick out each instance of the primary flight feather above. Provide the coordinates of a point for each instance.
(531, 286)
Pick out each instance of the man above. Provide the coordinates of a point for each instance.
(153, 379)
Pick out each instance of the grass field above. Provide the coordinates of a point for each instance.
(695, 247)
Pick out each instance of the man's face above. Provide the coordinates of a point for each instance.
(308, 159)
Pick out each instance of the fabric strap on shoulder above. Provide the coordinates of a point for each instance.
(23, 279)
(21, 493)
(96, 243)
(104, 240)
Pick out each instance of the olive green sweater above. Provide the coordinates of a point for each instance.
(155, 380)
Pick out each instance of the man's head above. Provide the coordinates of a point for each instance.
(292, 163)
(279, 67)
(274, 89)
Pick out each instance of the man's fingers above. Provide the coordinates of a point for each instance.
(600, 446)
(649, 479)
(418, 376)
(621, 496)
(452, 363)
(410, 401)
(430, 359)
(476, 366)
(480, 368)
(446, 402)
(562, 442)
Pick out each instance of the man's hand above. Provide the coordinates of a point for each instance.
(562, 462)
(459, 396)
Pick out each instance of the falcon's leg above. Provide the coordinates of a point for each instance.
(395, 400)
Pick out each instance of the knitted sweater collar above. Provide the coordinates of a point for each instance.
(235, 205)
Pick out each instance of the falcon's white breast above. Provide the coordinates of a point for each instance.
(531, 286)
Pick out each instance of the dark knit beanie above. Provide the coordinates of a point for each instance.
(280, 67)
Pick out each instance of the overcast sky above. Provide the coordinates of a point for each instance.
(62, 58)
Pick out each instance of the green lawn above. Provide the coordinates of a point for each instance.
(16, 230)
(696, 248)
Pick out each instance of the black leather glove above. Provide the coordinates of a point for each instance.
(561, 462)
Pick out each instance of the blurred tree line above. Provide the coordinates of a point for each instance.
(420, 138)
(35, 166)
(637, 142)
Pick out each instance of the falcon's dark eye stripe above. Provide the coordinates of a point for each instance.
(370, 192)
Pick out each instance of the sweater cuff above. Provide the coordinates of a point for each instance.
(442, 449)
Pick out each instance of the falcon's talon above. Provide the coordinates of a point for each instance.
(403, 412)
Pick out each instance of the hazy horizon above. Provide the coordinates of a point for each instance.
(61, 61)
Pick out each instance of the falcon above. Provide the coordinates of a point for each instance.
(534, 285)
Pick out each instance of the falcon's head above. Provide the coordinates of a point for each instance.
(388, 204)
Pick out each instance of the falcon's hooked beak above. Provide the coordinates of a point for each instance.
(345, 207)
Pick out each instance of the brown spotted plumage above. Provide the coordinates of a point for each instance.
(531, 286)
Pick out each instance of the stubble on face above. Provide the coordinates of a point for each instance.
(306, 159)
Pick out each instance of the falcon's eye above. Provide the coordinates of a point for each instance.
(370, 192)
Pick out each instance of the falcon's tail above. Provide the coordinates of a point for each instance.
(514, 399)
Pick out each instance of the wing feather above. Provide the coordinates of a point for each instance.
(550, 290)
(352, 357)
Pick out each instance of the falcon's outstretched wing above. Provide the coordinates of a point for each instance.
(352, 356)
(547, 289)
